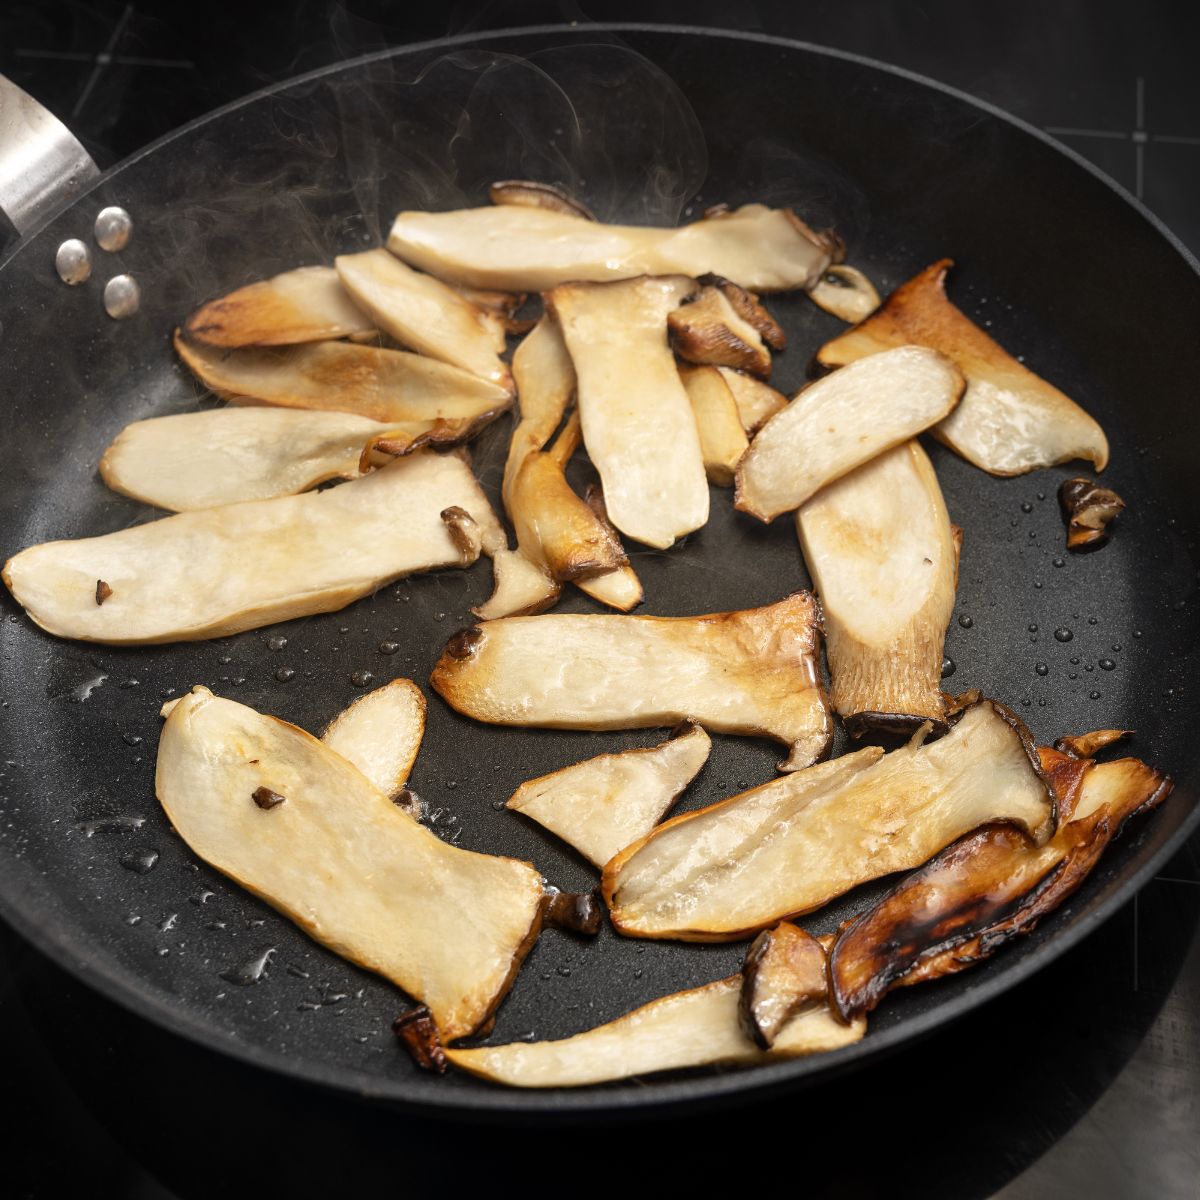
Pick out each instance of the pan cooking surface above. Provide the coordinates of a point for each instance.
(1057, 265)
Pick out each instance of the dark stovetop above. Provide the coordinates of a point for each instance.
(1083, 1081)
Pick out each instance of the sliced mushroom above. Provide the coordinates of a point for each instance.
(523, 249)
(602, 805)
(240, 566)
(748, 306)
(1010, 420)
(424, 314)
(521, 587)
(785, 973)
(686, 1029)
(841, 422)
(757, 402)
(880, 548)
(751, 672)
(619, 588)
(380, 733)
(846, 292)
(449, 926)
(708, 330)
(723, 441)
(792, 845)
(637, 421)
(525, 194)
(1084, 745)
(1087, 508)
(305, 305)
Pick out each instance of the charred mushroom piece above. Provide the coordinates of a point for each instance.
(380, 733)
(1085, 745)
(418, 1034)
(1087, 509)
(709, 330)
(751, 672)
(449, 926)
(846, 292)
(1010, 420)
(880, 548)
(841, 422)
(785, 973)
(757, 402)
(723, 440)
(602, 805)
(524, 194)
(576, 912)
(748, 306)
(103, 591)
(792, 845)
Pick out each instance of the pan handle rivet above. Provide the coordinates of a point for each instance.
(114, 228)
(73, 262)
(121, 297)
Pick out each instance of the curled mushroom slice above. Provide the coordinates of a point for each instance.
(305, 305)
(424, 314)
(785, 973)
(686, 1029)
(525, 194)
(1087, 508)
(602, 805)
(841, 422)
(619, 588)
(757, 402)
(1010, 420)
(449, 926)
(751, 672)
(792, 845)
(1084, 745)
(846, 292)
(637, 421)
(530, 249)
(380, 733)
(708, 329)
(880, 549)
(240, 566)
(748, 306)
(385, 385)
(723, 440)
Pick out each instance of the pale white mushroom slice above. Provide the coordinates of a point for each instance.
(619, 588)
(602, 805)
(305, 305)
(1010, 420)
(841, 422)
(880, 549)
(757, 402)
(723, 439)
(792, 845)
(385, 385)
(751, 672)
(218, 571)
(380, 733)
(527, 249)
(302, 828)
(637, 421)
(424, 314)
(685, 1029)
(846, 292)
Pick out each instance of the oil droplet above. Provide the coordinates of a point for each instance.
(1179, 605)
(1137, 633)
(1058, 562)
(133, 919)
(250, 971)
(1042, 669)
(499, 805)
(388, 647)
(1063, 634)
(1026, 507)
(131, 682)
(168, 922)
(439, 616)
(965, 621)
(344, 629)
(285, 674)
(361, 678)
(1094, 695)
(1093, 620)
(565, 972)
(131, 739)
(91, 828)
(1041, 495)
(1106, 664)
(225, 660)
(140, 861)
(1026, 701)
(1116, 647)
(451, 784)
(1037, 583)
(83, 691)
(276, 642)
(1033, 629)
(948, 667)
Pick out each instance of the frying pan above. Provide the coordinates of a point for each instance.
(646, 123)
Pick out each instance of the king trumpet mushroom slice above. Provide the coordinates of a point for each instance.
(526, 194)
(424, 314)
(619, 588)
(841, 422)
(879, 546)
(530, 249)
(602, 805)
(757, 402)
(846, 292)
(750, 672)
(785, 972)
(1085, 745)
(748, 306)
(637, 420)
(723, 441)
(380, 733)
(305, 305)
(449, 926)
(221, 570)
(685, 1029)
(385, 385)
(792, 845)
(708, 330)
(1087, 509)
(1010, 420)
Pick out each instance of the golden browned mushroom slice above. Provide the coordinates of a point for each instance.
(709, 330)
(305, 305)
(723, 440)
(240, 566)
(846, 292)
(380, 733)
(757, 402)
(637, 420)
(792, 845)
(537, 195)
(987, 888)
(785, 972)
(303, 829)
(385, 385)
(1010, 420)
(1087, 508)
(748, 306)
(530, 249)
(424, 314)
(1084, 745)
(686, 1029)
(619, 588)
(841, 422)
(751, 672)
(879, 547)
(601, 805)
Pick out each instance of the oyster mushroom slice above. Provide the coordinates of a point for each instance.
(424, 314)
(709, 330)
(305, 305)
(846, 292)
(792, 845)
(448, 926)
(241, 566)
(380, 733)
(785, 972)
(385, 385)
(841, 422)
(1010, 420)
(757, 402)
(751, 672)
(602, 805)
(686, 1029)
(637, 421)
(723, 440)
(530, 249)
(879, 546)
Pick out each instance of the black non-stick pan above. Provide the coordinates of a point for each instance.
(645, 124)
